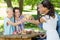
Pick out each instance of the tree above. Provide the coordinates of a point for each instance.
(1, 1)
(56, 3)
(15, 3)
(9, 4)
(32, 3)
(21, 5)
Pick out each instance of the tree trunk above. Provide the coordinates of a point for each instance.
(21, 5)
(32, 7)
(9, 4)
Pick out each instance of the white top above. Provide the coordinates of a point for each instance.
(50, 23)
(50, 27)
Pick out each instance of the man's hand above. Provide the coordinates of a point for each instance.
(42, 35)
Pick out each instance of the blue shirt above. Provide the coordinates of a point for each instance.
(21, 25)
(8, 29)
(58, 25)
(40, 25)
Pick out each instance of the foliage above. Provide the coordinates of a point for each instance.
(1, 28)
(14, 3)
(31, 2)
(56, 3)
(1, 1)
(1, 18)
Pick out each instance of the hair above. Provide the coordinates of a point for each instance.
(49, 6)
(15, 8)
(9, 8)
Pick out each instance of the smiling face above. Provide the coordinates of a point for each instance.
(17, 13)
(42, 9)
(10, 12)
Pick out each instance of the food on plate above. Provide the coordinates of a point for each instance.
(27, 31)
(28, 17)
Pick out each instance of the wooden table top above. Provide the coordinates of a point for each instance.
(20, 35)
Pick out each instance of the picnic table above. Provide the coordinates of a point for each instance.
(18, 36)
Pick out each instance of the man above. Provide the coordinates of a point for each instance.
(58, 25)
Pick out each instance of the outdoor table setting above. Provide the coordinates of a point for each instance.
(25, 35)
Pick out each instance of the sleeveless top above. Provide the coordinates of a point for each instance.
(50, 23)
(8, 29)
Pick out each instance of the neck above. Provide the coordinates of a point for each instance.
(8, 16)
(46, 11)
(16, 18)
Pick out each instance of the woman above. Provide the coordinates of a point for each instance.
(18, 17)
(49, 20)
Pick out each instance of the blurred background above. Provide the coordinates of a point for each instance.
(26, 7)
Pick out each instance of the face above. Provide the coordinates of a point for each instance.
(17, 13)
(10, 13)
(42, 9)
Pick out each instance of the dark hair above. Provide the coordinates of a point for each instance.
(14, 11)
(49, 6)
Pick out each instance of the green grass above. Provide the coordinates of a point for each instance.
(1, 18)
(1, 28)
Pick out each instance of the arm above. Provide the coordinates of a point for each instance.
(34, 21)
(14, 24)
(37, 21)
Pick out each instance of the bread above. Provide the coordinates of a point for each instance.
(28, 17)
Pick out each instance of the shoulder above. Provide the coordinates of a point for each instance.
(6, 19)
(22, 16)
(43, 19)
(58, 16)
(12, 19)
(46, 17)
